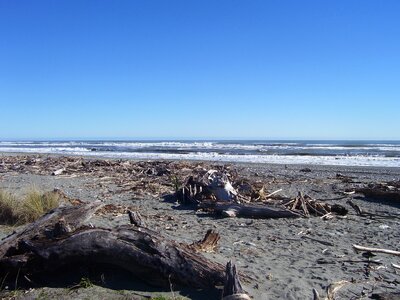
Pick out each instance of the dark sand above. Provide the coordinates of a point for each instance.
(281, 263)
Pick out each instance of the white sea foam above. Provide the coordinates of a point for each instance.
(55, 150)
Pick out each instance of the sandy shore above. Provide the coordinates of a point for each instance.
(286, 258)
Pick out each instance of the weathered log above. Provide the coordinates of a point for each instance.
(252, 211)
(141, 251)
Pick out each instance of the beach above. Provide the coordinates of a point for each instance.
(284, 258)
(177, 150)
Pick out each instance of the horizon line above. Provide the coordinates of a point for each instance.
(187, 139)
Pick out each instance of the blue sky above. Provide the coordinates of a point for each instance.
(200, 69)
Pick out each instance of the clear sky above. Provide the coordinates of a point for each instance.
(200, 69)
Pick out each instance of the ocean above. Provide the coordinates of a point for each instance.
(345, 153)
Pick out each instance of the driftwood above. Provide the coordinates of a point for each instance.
(395, 266)
(135, 218)
(42, 247)
(306, 206)
(233, 289)
(389, 191)
(209, 243)
(213, 185)
(362, 248)
(192, 192)
(252, 211)
(73, 216)
(139, 178)
(330, 290)
(58, 172)
(357, 208)
(220, 185)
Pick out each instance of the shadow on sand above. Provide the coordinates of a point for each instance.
(80, 276)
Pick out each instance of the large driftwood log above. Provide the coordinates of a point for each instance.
(252, 211)
(141, 251)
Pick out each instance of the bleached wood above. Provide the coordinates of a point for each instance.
(387, 251)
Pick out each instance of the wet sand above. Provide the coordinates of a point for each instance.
(286, 258)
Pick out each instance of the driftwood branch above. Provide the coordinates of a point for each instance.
(357, 208)
(362, 248)
(396, 266)
(318, 240)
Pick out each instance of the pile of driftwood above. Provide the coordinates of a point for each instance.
(213, 191)
(217, 188)
(212, 187)
(306, 206)
(139, 178)
(59, 239)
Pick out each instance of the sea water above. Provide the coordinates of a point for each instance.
(347, 153)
